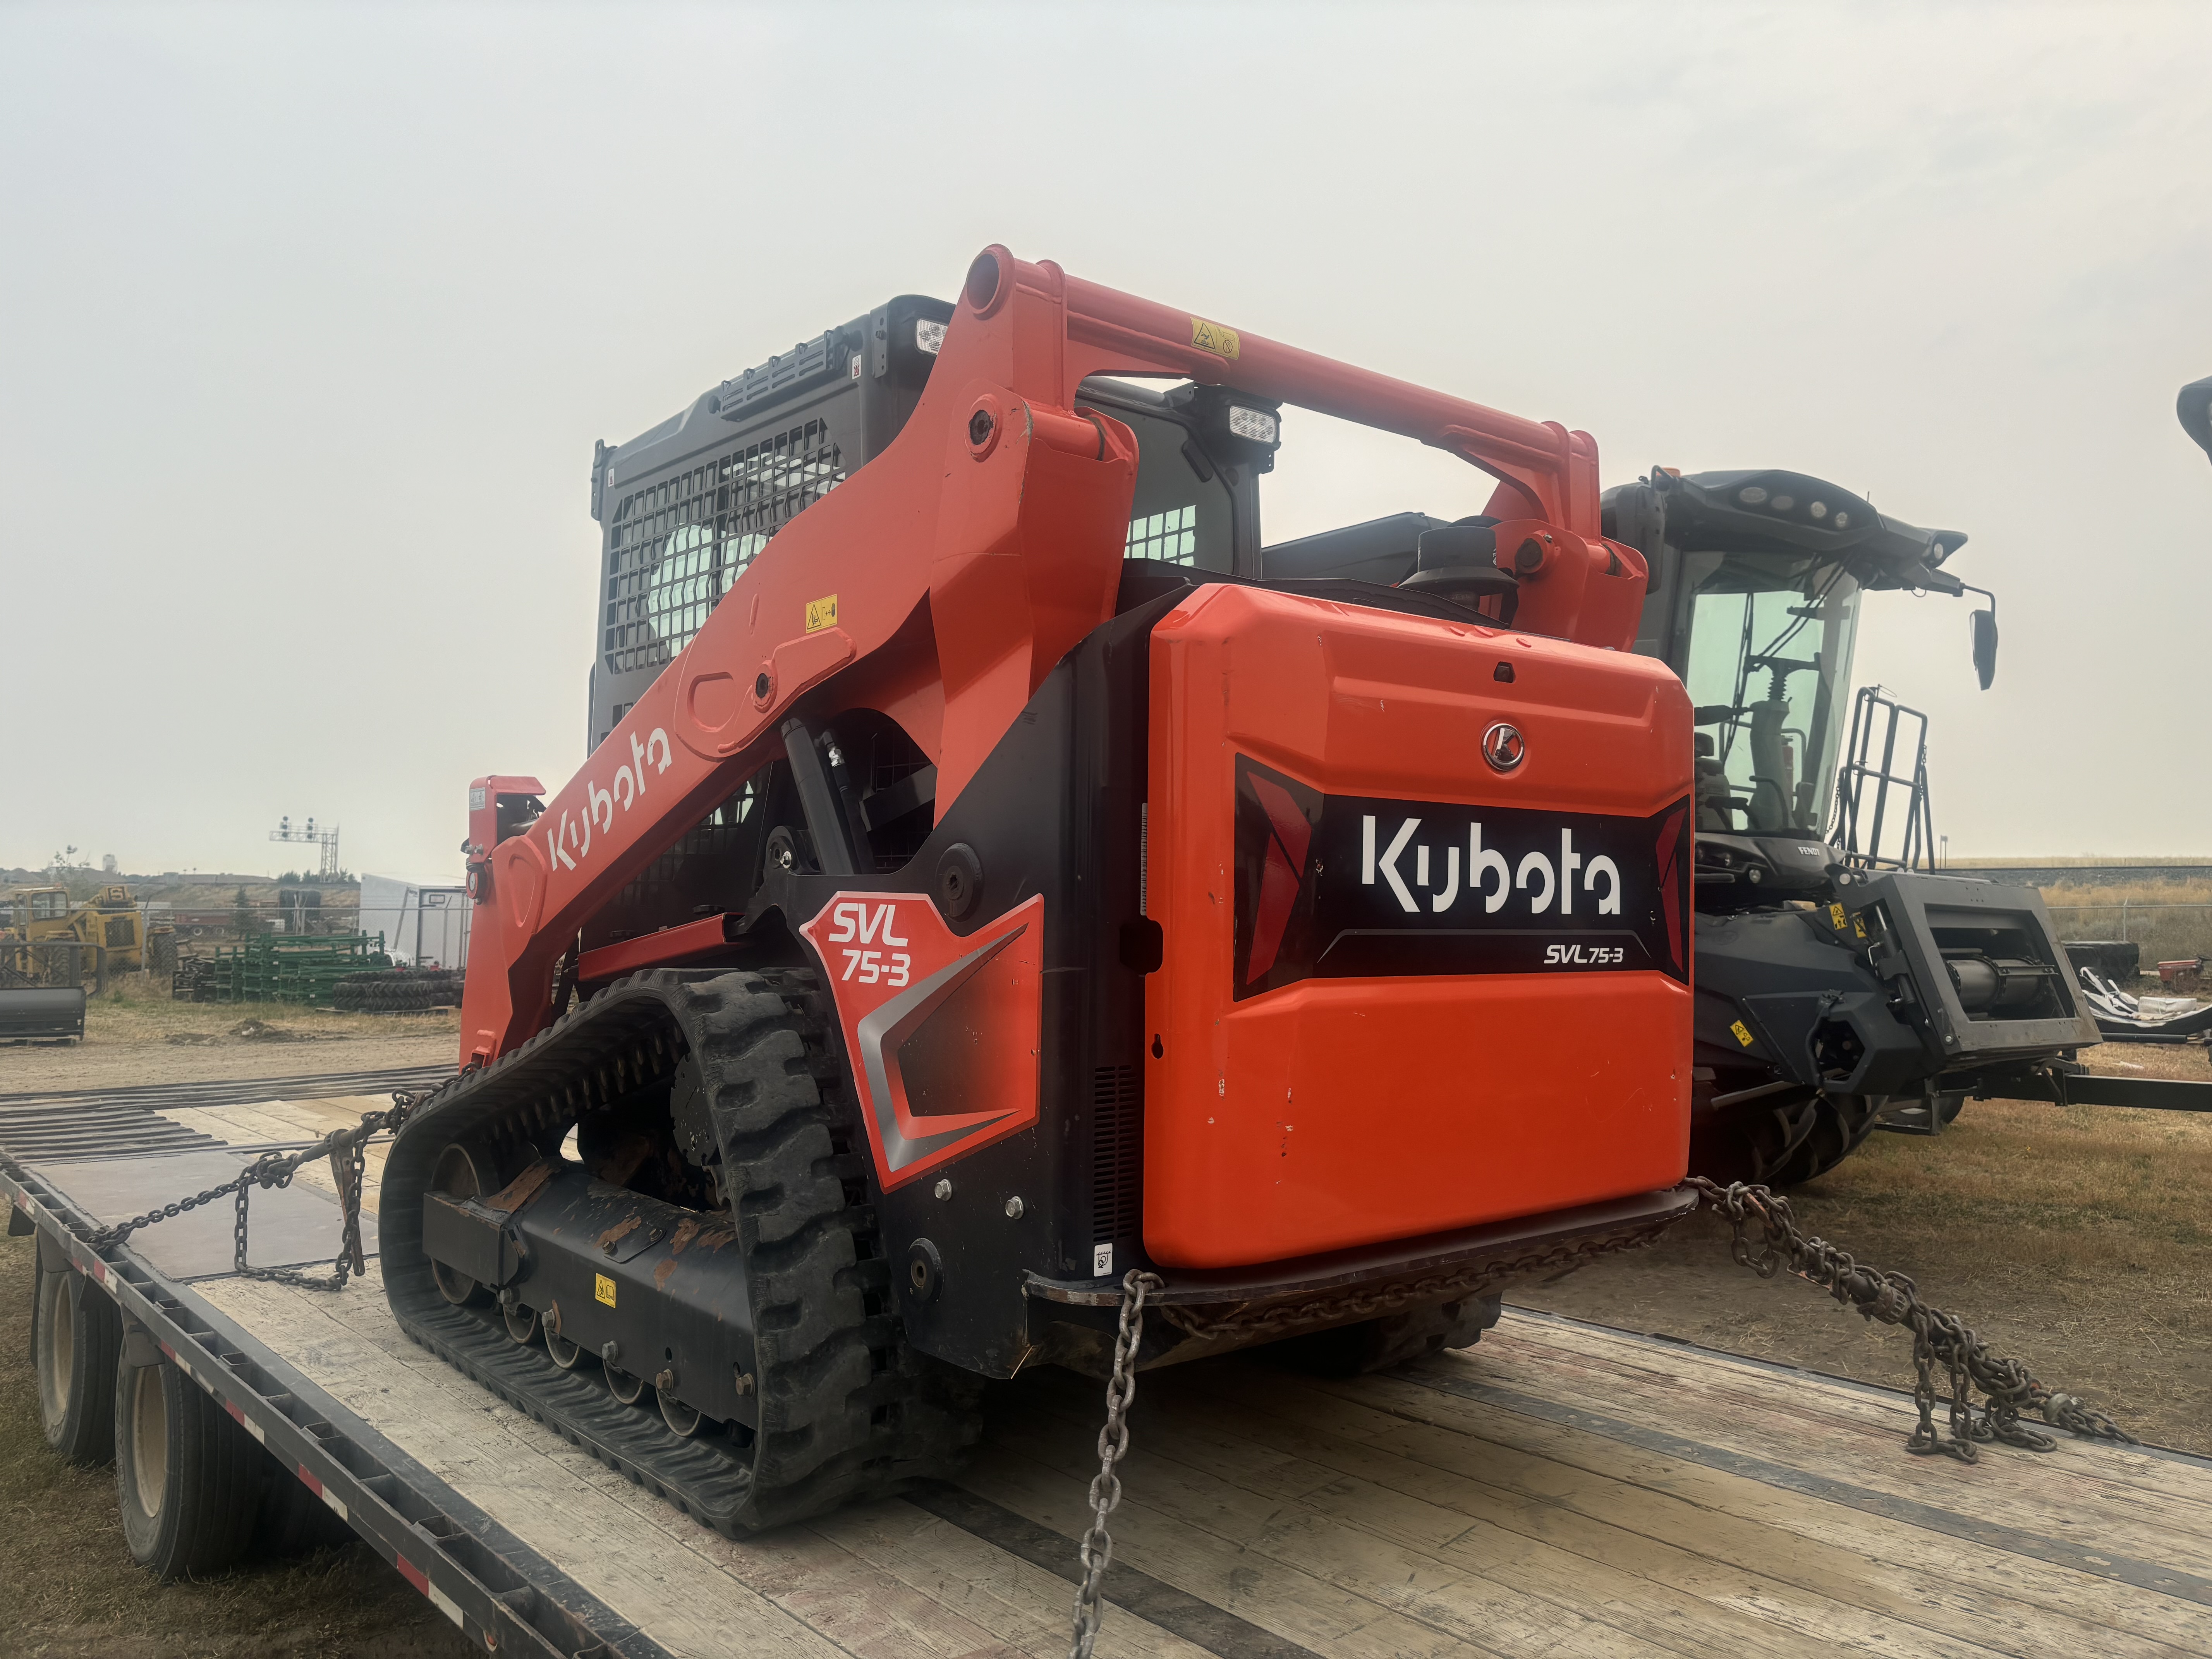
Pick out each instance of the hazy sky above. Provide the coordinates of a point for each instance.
(309, 317)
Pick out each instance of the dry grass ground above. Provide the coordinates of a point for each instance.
(73, 1592)
(2079, 1240)
(134, 1033)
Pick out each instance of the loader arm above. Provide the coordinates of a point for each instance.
(943, 581)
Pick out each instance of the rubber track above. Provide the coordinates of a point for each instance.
(845, 1410)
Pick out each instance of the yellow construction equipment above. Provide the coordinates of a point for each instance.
(109, 927)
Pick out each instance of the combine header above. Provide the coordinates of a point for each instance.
(997, 884)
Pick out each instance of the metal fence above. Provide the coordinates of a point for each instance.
(2166, 933)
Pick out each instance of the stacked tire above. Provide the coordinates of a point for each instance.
(398, 991)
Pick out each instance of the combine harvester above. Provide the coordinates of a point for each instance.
(1006, 937)
(1840, 986)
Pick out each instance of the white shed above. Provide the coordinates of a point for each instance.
(425, 923)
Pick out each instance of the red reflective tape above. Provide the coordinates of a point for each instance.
(413, 1574)
(235, 1409)
(309, 1481)
(168, 1352)
(100, 1270)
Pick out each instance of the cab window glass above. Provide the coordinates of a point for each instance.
(1176, 516)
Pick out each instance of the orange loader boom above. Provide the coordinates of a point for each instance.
(958, 568)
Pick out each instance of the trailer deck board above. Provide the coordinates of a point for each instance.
(1559, 1490)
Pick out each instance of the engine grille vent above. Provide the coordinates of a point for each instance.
(1117, 1164)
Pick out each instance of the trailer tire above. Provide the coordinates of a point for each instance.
(1391, 1340)
(75, 1334)
(189, 1480)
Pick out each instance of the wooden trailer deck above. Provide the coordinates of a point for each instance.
(1561, 1489)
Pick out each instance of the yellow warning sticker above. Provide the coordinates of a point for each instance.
(1836, 915)
(603, 1288)
(821, 614)
(1858, 924)
(1216, 337)
(1742, 1034)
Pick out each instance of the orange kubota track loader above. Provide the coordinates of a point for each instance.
(1320, 946)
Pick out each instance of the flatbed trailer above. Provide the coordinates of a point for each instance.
(1560, 1488)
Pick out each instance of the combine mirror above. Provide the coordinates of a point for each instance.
(1985, 647)
(2194, 406)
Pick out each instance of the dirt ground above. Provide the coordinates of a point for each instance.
(134, 1033)
(2077, 1239)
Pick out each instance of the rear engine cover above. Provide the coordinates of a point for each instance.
(1424, 889)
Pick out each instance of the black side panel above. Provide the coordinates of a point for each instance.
(1056, 810)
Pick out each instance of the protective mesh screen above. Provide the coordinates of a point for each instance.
(675, 547)
(1172, 536)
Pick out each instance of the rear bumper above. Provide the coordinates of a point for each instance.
(1198, 1313)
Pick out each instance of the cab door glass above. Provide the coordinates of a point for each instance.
(1177, 515)
(1767, 664)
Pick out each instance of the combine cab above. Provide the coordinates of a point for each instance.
(1841, 984)
(993, 877)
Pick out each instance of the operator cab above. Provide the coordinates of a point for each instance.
(1753, 600)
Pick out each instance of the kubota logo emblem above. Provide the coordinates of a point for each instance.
(564, 843)
(1346, 886)
(1503, 747)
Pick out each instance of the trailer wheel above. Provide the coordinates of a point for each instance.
(189, 1480)
(1378, 1345)
(75, 1334)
